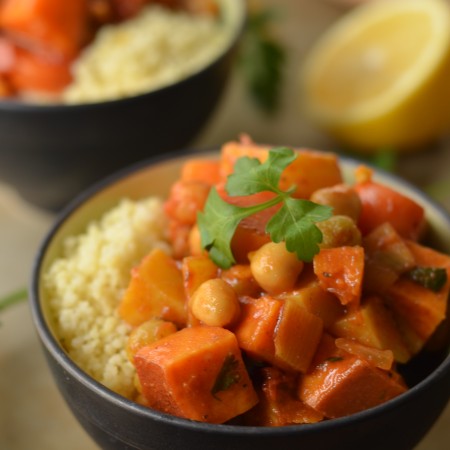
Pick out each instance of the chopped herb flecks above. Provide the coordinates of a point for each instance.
(432, 278)
(229, 374)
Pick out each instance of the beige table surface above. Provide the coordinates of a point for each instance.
(32, 413)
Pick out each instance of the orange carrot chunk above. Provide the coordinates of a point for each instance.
(203, 170)
(341, 384)
(36, 74)
(55, 27)
(372, 324)
(417, 309)
(382, 204)
(256, 328)
(155, 290)
(279, 404)
(340, 271)
(196, 373)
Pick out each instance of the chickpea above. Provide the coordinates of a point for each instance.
(215, 303)
(342, 198)
(275, 268)
(147, 333)
(338, 231)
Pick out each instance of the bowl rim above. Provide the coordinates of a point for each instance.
(18, 106)
(51, 344)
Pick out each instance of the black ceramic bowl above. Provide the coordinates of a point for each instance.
(117, 423)
(50, 153)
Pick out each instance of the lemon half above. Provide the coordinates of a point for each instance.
(380, 77)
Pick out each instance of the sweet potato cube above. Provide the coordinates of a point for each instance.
(196, 373)
(373, 325)
(311, 170)
(340, 271)
(55, 27)
(297, 336)
(203, 170)
(321, 303)
(155, 290)
(256, 328)
(419, 310)
(341, 384)
(279, 404)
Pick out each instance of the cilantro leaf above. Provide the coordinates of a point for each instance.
(229, 374)
(217, 224)
(295, 222)
(251, 177)
(433, 278)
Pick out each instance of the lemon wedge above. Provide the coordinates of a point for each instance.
(380, 76)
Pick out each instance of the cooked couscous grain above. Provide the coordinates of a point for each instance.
(156, 48)
(85, 285)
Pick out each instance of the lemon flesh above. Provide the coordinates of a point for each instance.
(381, 76)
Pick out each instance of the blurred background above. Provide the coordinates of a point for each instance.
(263, 99)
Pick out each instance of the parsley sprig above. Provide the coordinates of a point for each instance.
(294, 223)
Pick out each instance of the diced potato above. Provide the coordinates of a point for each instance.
(155, 290)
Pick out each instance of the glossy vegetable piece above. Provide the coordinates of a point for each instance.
(419, 310)
(382, 359)
(147, 333)
(340, 271)
(317, 301)
(204, 170)
(196, 373)
(35, 74)
(372, 324)
(382, 204)
(279, 404)
(387, 257)
(255, 331)
(51, 27)
(311, 170)
(155, 290)
(341, 384)
(240, 278)
(297, 336)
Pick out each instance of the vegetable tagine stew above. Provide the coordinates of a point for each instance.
(41, 39)
(289, 298)
(280, 294)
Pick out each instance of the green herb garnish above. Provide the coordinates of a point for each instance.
(294, 223)
(13, 298)
(229, 374)
(432, 278)
(334, 359)
(261, 59)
